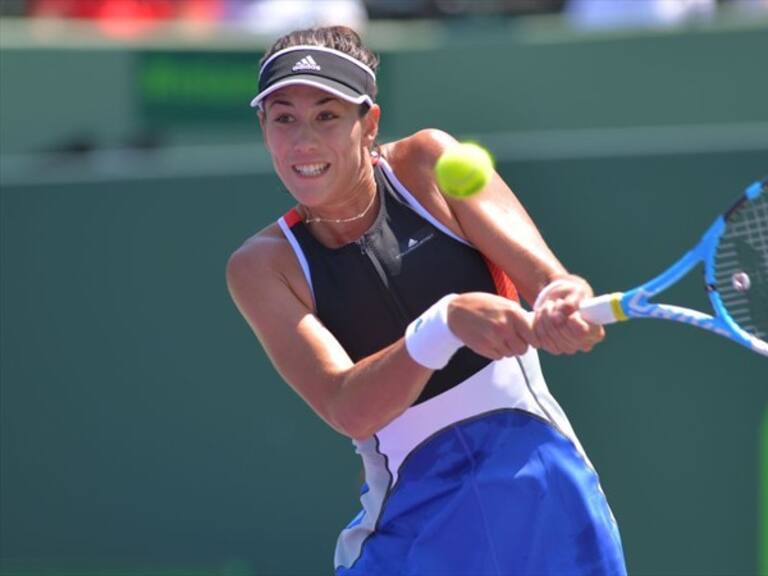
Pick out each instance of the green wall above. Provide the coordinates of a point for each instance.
(143, 429)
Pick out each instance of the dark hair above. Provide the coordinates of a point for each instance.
(339, 38)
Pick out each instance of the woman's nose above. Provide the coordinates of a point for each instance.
(306, 140)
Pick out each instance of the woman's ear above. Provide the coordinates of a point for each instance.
(371, 125)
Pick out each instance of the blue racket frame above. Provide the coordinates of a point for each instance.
(635, 303)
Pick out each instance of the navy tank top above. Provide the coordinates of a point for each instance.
(367, 292)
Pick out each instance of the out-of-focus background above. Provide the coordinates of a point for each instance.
(143, 430)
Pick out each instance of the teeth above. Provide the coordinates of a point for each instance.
(310, 169)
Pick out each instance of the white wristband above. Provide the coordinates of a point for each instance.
(429, 340)
(549, 288)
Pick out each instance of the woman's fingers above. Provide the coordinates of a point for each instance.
(558, 322)
(491, 325)
(562, 330)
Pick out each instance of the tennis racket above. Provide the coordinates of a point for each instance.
(734, 251)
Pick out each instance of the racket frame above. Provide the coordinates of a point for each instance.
(636, 303)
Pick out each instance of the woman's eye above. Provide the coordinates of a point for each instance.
(326, 116)
(283, 118)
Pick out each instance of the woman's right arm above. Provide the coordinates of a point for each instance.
(356, 399)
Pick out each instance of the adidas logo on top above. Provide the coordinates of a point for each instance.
(306, 63)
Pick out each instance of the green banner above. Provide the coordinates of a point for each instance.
(196, 88)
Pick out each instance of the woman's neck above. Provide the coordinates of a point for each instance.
(338, 226)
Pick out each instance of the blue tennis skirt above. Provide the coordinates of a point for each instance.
(502, 493)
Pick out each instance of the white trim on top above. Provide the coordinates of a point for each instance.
(416, 205)
(299, 254)
(256, 102)
(338, 53)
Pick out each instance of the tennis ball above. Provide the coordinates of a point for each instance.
(464, 169)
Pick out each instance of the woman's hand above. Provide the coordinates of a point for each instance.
(491, 325)
(558, 324)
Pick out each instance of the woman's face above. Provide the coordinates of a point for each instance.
(318, 142)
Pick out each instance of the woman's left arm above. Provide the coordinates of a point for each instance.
(497, 224)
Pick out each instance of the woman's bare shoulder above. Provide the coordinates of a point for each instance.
(267, 248)
(266, 259)
(420, 150)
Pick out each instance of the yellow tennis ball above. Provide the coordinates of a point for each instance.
(464, 169)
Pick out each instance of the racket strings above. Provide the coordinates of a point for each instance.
(741, 266)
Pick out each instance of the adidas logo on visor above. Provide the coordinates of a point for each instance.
(306, 63)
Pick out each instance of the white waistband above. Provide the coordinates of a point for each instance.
(507, 383)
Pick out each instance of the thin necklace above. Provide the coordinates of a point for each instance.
(344, 220)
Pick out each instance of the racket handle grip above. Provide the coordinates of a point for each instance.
(604, 309)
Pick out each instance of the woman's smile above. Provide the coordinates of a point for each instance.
(311, 170)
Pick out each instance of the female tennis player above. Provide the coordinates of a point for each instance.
(393, 311)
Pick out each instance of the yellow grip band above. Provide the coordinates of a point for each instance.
(618, 311)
